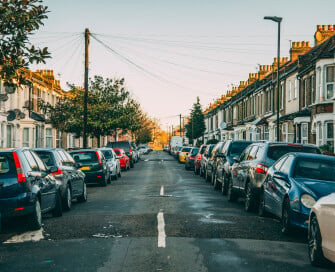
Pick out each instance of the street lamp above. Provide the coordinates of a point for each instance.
(277, 20)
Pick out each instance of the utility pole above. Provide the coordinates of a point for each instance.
(179, 124)
(87, 42)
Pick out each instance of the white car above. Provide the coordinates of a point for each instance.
(112, 163)
(321, 231)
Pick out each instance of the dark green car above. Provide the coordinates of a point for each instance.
(93, 163)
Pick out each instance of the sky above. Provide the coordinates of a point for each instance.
(171, 52)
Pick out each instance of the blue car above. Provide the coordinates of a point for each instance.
(293, 185)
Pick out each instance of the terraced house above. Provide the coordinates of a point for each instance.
(22, 122)
(306, 98)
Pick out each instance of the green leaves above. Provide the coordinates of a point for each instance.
(195, 127)
(18, 20)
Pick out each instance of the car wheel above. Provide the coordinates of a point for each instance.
(119, 174)
(36, 216)
(216, 183)
(285, 218)
(201, 172)
(224, 187)
(315, 244)
(105, 181)
(132, 164)
(58, 210)
(207, 177)
(261, 205)
(67, 199)
(249, 202)
(232, 196)
(83, 197)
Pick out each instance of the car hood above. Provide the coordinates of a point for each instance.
(318, 188)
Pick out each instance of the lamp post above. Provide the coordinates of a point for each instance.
(277, 20)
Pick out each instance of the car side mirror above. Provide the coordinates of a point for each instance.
(236, 159)
(35, 174)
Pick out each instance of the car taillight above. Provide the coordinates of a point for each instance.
(192, 157)
(261, 169)
(130, 151)
(59, 172)
(199, 157)
(99, 159)
(20, 174)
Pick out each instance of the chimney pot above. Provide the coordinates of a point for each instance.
(324, 27)
(330, 27)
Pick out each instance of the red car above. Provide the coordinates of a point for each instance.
(198, 159)
(123, 158)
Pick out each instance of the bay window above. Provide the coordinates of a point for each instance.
(329, 134)
(330, 80)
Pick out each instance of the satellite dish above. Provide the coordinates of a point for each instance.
(3, 97)
(11, 115)
(22, 115)
(223, 125)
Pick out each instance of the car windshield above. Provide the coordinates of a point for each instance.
(88, 156)
(315, 169)
(194, 151)
(277, 151)
(186, 149)
(46, 157)
(236, 149)
(107, 153)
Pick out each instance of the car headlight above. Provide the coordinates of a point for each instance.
(308, 201)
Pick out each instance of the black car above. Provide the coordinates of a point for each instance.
(93, 163)
(190, 160)
(26, 186)
(72, 180)
(204, 159)
(211, 163)
(127, 146)
(225, 161)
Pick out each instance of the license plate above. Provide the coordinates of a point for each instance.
(85, 168)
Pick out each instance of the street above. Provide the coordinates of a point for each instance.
(157, 217)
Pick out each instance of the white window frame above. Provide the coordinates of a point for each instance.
(48, 138)
(25, 137)
(329, 140)
(304, 138)
(282, 102)
(296, 87)
(312, 79)
(330, 83)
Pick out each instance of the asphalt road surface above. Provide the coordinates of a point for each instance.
(157, 217)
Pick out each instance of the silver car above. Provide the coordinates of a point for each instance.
(112, 163)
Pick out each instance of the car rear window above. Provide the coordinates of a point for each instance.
(202, 150)
(186, 149)
(194, 151)
(315, 169)
(46, 157)
(107, 153)
(123, 145)
(236, 149)
(117, 152)
(7, 167)
(276, 151)
(88, 156)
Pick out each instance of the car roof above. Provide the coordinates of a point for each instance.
(312, 156)
(83, 150)
(285, 143)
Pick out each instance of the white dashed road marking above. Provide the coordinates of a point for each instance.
(162, 191)
(161, 230)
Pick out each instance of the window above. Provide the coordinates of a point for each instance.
(266, 133)
(253, 153)
(304, 93)
(329, 134)
(39, 162)
(286, 167)
(279, 163)
(31, 161)
(289, 91)
(319, 129)
(48, 138)
(25, 137)
(312, 89)
(304, 133)
(245, 154)
(330, 79)
(295, 88)
(281, 96)
(9, 136)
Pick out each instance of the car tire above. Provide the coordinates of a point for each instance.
(35, 218)
(261, 206)
(285, 218)
(119, 174)
(207, 177)
(58, 210)
(216, 184)
(83, 197)
(315, 244)
(224, 187)
(104, 182)
(132, 164)
(200, 172)
(231, 195)
(67, 199)
(249, 201)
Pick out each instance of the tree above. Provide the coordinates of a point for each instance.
(18, 20)
(195, 127)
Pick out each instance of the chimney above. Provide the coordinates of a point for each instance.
(282, 61)
(264, 70)
(323, 32)
(299, 48)
(242, 85)
(252, 77)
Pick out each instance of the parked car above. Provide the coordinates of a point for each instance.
(321, 231)
(177, 151)
(127, 147)
(136, 154)
(224, 163)
(204, 159)
(112, 163)
(293, 185)
(189, 164)
(71, 179)
(211, 163)
(251, 167)
(182, 155)
(93, 163)
(197, 162)
(143, 149)
(27, 188)
(123, 158)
